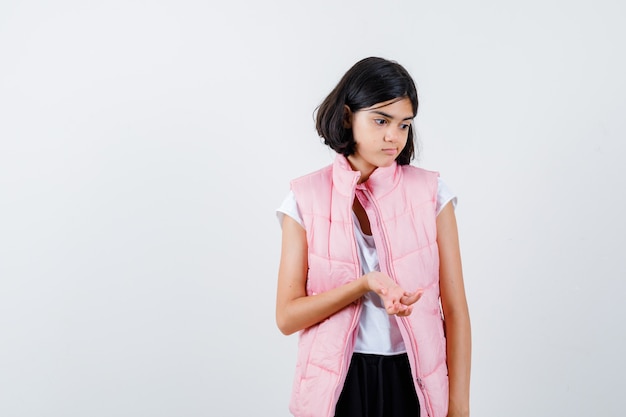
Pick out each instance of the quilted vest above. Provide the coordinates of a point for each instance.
(400, 202)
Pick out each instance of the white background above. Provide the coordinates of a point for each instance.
(144, 146)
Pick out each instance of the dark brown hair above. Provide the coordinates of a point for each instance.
(370, 81)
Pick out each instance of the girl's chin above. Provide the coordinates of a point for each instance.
(387, 163)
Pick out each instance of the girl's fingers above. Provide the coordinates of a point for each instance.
(399, 309)
(410, 298)
(394, 308)
(406, 312)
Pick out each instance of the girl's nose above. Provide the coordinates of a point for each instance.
(391, 135)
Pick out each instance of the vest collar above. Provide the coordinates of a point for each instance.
(381, 181)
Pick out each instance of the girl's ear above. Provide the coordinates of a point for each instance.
(347, 117)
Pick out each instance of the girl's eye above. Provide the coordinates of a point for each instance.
(404, 126)
(380, 121)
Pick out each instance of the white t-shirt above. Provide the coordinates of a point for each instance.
(378, 331)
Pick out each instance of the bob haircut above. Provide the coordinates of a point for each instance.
(370, 81)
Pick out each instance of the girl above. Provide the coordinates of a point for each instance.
(370, 264)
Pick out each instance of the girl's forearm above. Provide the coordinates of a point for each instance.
(458, 334)
(306, 311)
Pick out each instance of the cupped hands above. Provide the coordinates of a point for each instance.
(397, 301)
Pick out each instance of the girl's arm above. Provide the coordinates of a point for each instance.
(455, 311)
(296, 311)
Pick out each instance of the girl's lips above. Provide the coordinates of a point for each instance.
(390, 151)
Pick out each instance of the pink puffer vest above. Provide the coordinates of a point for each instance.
(401, 206)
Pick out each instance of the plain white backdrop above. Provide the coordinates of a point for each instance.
(144, 146)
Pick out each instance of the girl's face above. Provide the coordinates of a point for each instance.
(380, 133)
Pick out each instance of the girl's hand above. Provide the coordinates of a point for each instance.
(397, 301)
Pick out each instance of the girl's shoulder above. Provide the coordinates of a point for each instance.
(415, 170)
(312, 181)
(420, 177)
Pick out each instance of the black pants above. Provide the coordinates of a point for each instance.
(378, 386)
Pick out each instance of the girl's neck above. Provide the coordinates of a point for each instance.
(364, 168)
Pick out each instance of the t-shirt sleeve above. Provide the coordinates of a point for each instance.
(444, 196)
(289, 207)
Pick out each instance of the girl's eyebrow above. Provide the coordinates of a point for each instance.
(382, 113)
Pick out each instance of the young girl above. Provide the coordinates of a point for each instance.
(370, 264)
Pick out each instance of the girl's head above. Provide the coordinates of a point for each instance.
(369, 82)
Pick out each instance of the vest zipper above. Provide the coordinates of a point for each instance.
(355, 319)
(419, 384)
